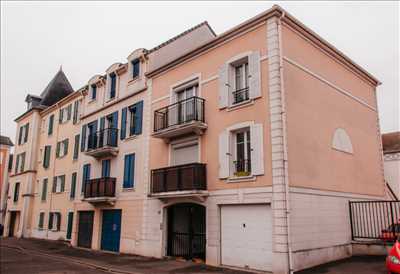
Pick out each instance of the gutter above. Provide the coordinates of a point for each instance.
(285, 152)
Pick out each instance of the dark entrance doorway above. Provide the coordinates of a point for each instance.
(111, 230)
(85, 229)
(13, 219)
(187, 231)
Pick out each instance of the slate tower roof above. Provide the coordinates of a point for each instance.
(58, 88)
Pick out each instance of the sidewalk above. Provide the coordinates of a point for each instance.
(116, 263)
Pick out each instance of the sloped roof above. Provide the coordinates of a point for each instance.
(58, 88)
(4, 140)
(391, 142)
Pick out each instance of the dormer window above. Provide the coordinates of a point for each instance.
(113, 84)
(135, 68)
(93, 92)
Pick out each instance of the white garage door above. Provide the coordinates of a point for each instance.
(246, 232)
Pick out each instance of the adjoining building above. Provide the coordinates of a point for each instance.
(241, 149)
(5, 166)
(391, 154)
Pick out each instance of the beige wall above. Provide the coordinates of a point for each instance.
(207, 66)
(315, 110)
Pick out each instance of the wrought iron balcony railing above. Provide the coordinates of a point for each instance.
(103, 138)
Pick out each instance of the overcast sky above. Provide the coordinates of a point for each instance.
(87, 37)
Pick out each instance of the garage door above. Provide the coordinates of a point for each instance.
(246, 236)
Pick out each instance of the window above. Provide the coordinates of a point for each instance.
(242, 156)
(135, 118)
(16, 192)
(135, 68)
(65, 114)
(20, 163)
(44, 189)
(76, 147)
(113, 85)
(129, 171)
(46, 156)
(341, 141)
(105, 168)
(51, 125)
(73, 186)
(93, 92)
(239, 79)
(62, 148)
(23, 134)
(58, 184)
(241, 151)
(241, 83)
(54, 221)
(85, 176)
(41, 220)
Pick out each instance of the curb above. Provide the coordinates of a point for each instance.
(72, 260)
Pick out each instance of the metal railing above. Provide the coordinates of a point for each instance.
(102, 138)
(100, 187)
(178, 178)
(375, 220)
(240, 95)
(191, 109)
(242, 167)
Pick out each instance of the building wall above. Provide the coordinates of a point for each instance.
(4, 180)
(392, 171)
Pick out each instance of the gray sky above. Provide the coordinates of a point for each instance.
(87, 37)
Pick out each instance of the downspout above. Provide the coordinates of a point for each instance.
(285, 153)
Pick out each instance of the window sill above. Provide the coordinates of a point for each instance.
(131, 137)
(130, 189)
(40, 228)
(133, 80)
(91, 101)
(240, 105)
(110, 99)
(250, 178)
(54, 230)
(58, 192)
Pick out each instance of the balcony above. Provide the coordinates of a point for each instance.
(181, 118)
(100, 190)
(103, 143)
(187, 180)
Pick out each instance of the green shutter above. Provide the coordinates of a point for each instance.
(62, 188)
(44, 189)
(54, 184)
(69, 112)
(73, 186)
(76, 147)
(75, 116)
(50, 220)
(69, 226)
(58, 221)
(65, 146)
(58, 149)
(51, 124)
(26, 133)
(41, 219)
(22, 161)
(60, 115)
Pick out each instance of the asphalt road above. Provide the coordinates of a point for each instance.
(13, 261)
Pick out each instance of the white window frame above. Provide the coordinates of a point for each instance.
(233, 149)
(58, 184)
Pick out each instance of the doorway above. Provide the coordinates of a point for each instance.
(85, 229)
(187, 231)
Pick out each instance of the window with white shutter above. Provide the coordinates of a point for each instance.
(224, 155)
(223, 85)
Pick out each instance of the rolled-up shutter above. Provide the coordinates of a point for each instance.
(83, 137)
(224, 156)
(254, 75)
(257, 153)
(123, 123)
(138, 118)
(223, 77)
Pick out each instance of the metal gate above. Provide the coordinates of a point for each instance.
(377, 220)
(186, 231)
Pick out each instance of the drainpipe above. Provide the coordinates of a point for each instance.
(285, 157)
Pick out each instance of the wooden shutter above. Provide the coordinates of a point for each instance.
(224, 158)
(22, 161)
(54, 188)
(20, 135)
(129, 170)
(58, 149)
(50, 220)
(257, 147)
(44, 189)
(223, 85)
(62, 187)
(75, 116)
(123, 123)
(69, 112)
(76, 147)
(51, 124)
(66, 146)
(26, 133)
(83, 138)
(73, 186)
(138, 118)
(254, 75)
(58, 221)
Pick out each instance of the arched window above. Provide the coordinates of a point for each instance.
(341, 141)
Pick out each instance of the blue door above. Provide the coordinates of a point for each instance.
(111, 230)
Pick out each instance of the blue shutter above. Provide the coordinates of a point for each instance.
(114, 132)
(129, 171)
(123, 123)
(102, 133)
(138, 118)
(105, 168)
(83, 138)
(85, 175)
(73, 186)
